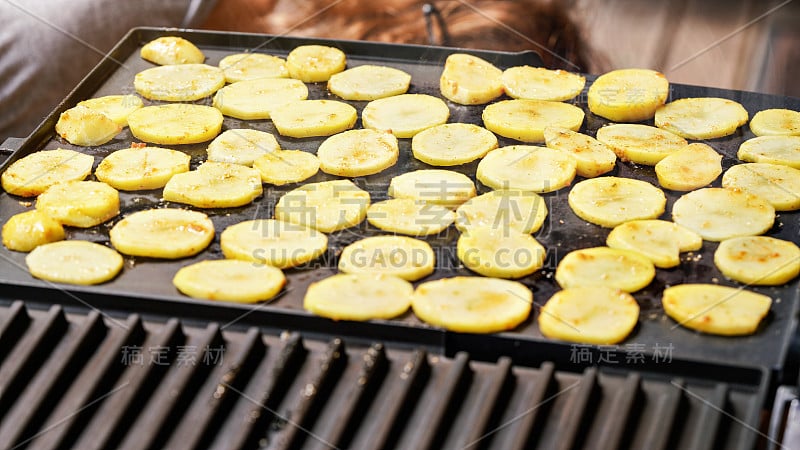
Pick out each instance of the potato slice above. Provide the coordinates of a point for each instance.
(139, 168)
(409, 216)
(777, 184)
(74, 262)
(525, 120)
(241, 146)
(81, 204)
(363, 296)
(369, 82)
(692, 167)
(33, 174)
(784, 150)
(522, 211)
(405, 115)
(641, 144)
(175, 124)
(286, 166)
(452, 144)
(758, 260)
(115, 107)
(307, 118)
(469, 80)
(215, 185)
(610, 201)
(272, 242)
(167, 233)
(86, 127)
(230, 280)
(252, 66)
(527, 168)
(27, 230)
(717, 214)
(473, 304)
(440, 187)
(628, 95)
(538, 83)
(171, 50)
(313, 63)
(356, 153)
(401, 256)
(658, 240)
(179, 83)
(256, 99)
(592, 157)
(625, 270)
(500, 253)
(327, 206)
(715, 309)
(589, 315)
(701, 118)
(776, 122)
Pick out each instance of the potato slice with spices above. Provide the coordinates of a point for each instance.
(776, 122)
(715, 309)
(179, 83)
(538, 83)
(241, 146)
(252, 66)
(256, 99)
(625, 270)
(356, 153)
(307, 118)
(589, 315)
(409, 216)
(272, 242)
(286, 166)
(115, 107)
(401, 256)
(314, 63)
(452, 144)
(27, 230)
(167, 233)
(784, 150)
(362, 296)
(502, 209)
(175, 124)
(527, 168)
(500, 253)
(405, 115)
(717, 214)
(658, 240)
(33, 174)
(777, 184)
(641, 144)
(230, 280)
(369, 82)
(592, 157)
(701, 118)
(171, 50)
(469, 80)
(692, 167)
(215, 185)
(86, 127)
(74, 262)
(759, 260)
(139, 168)
(81, 204)
(628, 95)
(327, 206)
(440, 187)
(525, 120)
(610, 201)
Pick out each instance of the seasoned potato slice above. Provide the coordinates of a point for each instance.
(470, 80)
(179, 83)
(401, 256)
(452, 144)
(610, 201)
(784, 150)
(241, 146)
(356, 153)
(327, 206)
(592, 157)
(589, 315)
(175, 124)
(625, 270)
(658, 240)
(628, 95)
(362, 296)
(252, 66)
(163, 233)
(538, 83)
(81, 204)
(33, 174)
(691, 167)
(313, 63)
(405, 115)
(230, 280)
(776, 122)
(115, 107)
(500, 253)
(171, 50)
(717, 214)
(758, 260)
(86, 127)
(701, 118)
(74, 262)
(525, 120)
(215, 185)
(27, 230)
(473, 304)
(138, 168)
(641, 144)
(256, 99)
(306, 118)
(409, 216)
(440, 187)
(369, 83)
(272, 242)
(527, 168)
(777, 184)
(715, 309)
(522, 211)
(286, 166)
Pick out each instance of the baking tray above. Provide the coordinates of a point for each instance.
(145, 284)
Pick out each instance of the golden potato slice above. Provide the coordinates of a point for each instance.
(215, 185)
(527, 168)
(313, 63)
(469, 80)
(452, 144)
(628, 95)
(307, 118)
(230, 280)
(86, 127)
(473, 304)
(717, 214)
(776, 122)
(241, 146)
(401, 256)
(589, 315)
(405, 115)
(179, 83)
(759, 260)
(256, 99)
(525, 120)
(784, 150)
(641, 144)
(272, 242)
(327, 206)
(522, 211)
(115, 107)
(362, 296)
(175, 124)
(777, 184)
(658, 240)
(139, 168)
(538, 83)
(286, 166)
(500, 253)
(252, 66)
(691, 167)
(369, 82)
(33, 174)
(167, 233)
(440, 187)
(74, 262)
(356, 153)
(171, 50)
(701, 118)
(715, 309)
(409, 216)
(81, 204)
(625, 270)
(610, 201)
(592, 157)
(27, 230)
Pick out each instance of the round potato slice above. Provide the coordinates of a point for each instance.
(409, 216)
(527, 168)
(86, 127)
(777, 184)
(658, 240)
(362, 296)
(538, 83)
(592, 157)
(469, 80)
(81, 204)
(230, 280)
(163, 233)
(257, 99)
(628, 95)
(252, 66)
(327, 206)
(641, 144)
(405, 115)
(452, 144)
(307, 118)
(27, 230)
(758, 260)
(691, 167)
(589, 315)
(717, 214)
(286, 166)
(314, 63)
(139, 168)
(272, 242)
(525, 120)
(115, 107)
(473, 304)
(522, 211)
(175, 124)
(179, 83)
(356, 153)
(625, 270)
(701, 118)
(171, 50)
(369, 83)
(215, 185)
(401, 256)
(776, 122)
(33, 174)
(241, 146)
(610, 201)
(715, 309)
(440, 187)
(784, 150)
(500, 253)
(74, 262)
